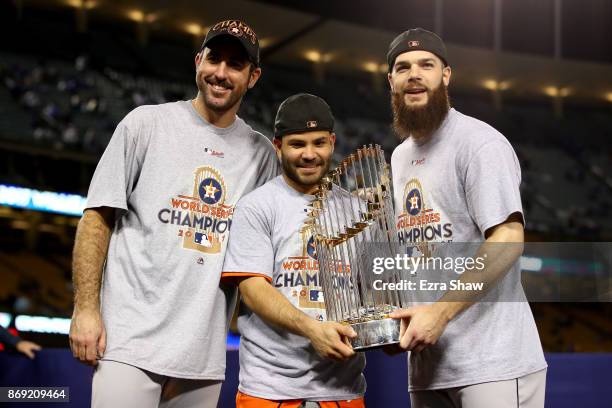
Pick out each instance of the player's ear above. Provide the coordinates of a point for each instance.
(332, 139)
(254, 75)
(446, 75)
(390, 79)
(198, 58)
(278, 143)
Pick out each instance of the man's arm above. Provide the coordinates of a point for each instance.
(87, 333)
(326, 337)
(423, 325)
(23, 346)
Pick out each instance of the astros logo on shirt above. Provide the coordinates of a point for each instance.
(413, 198)
(210, 191)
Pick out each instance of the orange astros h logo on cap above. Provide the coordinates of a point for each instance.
(413, 43)
(311, 124)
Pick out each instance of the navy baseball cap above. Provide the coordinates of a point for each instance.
(416, 39)
(238, 30)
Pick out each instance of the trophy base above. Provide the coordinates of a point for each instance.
(375, 333)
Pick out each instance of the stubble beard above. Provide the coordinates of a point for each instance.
(291, 172)
(234, 98)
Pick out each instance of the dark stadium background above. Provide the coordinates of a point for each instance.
(540, 71)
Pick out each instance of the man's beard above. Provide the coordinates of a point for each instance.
(420, 121)
(290, 171)
(234, 97)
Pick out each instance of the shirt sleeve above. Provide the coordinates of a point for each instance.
(249, 249)
(492, 184)
(117, 171)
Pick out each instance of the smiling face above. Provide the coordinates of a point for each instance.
(305, 157)
(224, 74)
(419, 96)
(416, 75)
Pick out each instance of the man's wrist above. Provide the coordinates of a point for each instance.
(447, 310)
(89, 307)
(307, 325)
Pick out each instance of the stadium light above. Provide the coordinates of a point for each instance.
(555, 92)
(194, 29)
(26, 198)
(79, 4)
(551, 91)
(316, 56)
(372, 67)
(42, 324)
(5, 319)
(490, 84)
(375, 67)
(609, 96)
(313, 56)
(136, 15)
(494, 85)
(140, 16)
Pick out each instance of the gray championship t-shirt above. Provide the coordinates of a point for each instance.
(174, 179)
(453, 188)
(270, 239)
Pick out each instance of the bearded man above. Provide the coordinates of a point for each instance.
(457, 180)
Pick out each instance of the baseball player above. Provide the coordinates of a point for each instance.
(289, 355)
(149, 311)
(457, 179)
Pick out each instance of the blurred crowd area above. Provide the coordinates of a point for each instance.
(59, 107)
(69, 107)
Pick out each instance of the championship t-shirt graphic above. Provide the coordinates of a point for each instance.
(419, 222)
(202, 218)
(299, 277)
